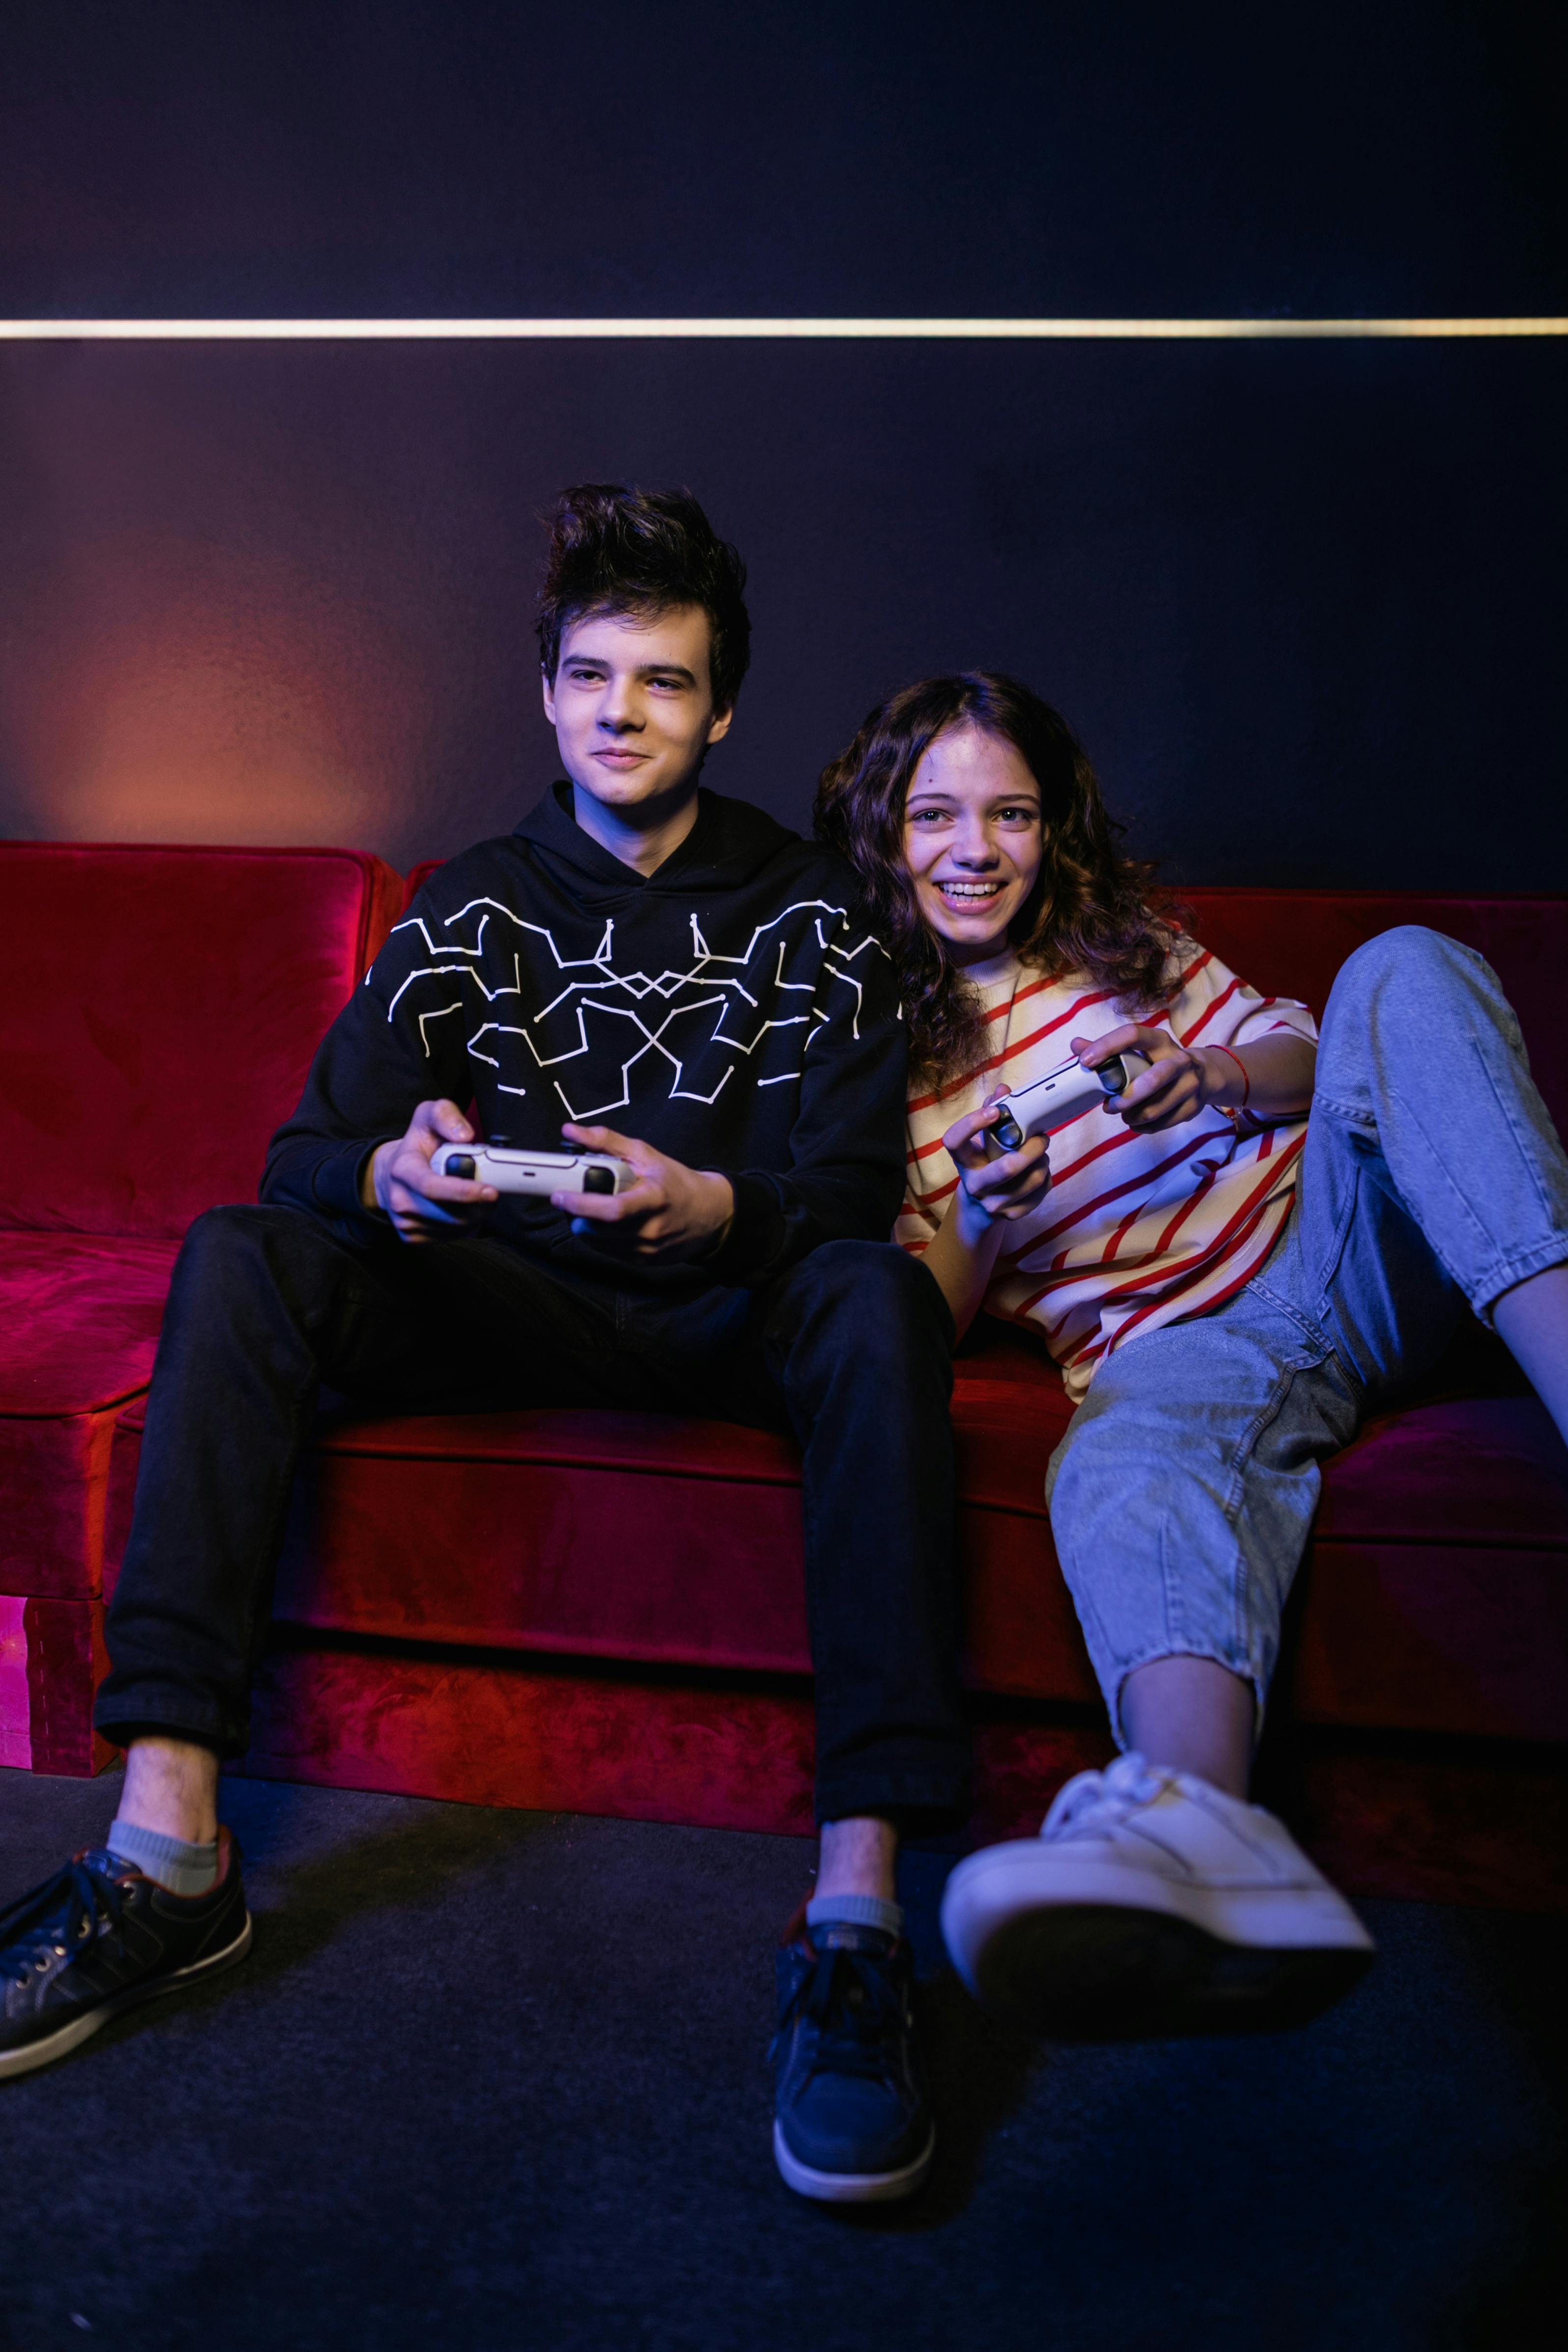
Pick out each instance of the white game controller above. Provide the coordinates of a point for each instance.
(1057, 1098)
(539, 1172)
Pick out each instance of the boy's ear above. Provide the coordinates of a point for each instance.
(718, 725)
(547, 686)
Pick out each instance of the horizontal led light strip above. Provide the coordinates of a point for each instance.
(311, 330)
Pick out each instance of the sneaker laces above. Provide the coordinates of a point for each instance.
(66, 1909)
(1093, 1801)
(854, 2004)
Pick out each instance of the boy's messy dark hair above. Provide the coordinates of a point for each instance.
(1092, 910)
(619, 550)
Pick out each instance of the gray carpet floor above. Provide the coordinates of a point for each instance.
(493, 2080)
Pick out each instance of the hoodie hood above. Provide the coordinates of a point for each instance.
(727, 847)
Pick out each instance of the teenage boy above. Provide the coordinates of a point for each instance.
(645, 969)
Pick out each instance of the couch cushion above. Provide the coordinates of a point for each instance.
(79, 1316)
(1475, 1470)
(602, 1535)
(79, 1327)
(163, 1009)
(1437, 1590)
(645, 1538)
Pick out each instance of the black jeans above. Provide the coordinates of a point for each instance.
(850, 1349)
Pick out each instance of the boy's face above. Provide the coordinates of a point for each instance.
(631, 706)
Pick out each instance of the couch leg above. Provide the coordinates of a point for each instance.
(51, 1662)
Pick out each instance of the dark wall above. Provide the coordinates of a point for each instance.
(1304, 600)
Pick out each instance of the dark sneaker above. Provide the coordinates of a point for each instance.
(853, 2122)
(98, 1938)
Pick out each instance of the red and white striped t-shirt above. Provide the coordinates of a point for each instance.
(1135, 1230)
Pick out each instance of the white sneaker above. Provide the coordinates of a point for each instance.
(1151, 1904)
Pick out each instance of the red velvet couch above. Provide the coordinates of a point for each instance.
(603, 1611)
(163, 1009)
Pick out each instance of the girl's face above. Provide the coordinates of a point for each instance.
(972, 840)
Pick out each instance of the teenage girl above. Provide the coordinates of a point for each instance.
(1229, 1287)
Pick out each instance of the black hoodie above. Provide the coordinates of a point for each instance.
(728, 1009)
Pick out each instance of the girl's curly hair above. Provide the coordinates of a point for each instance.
(1092, 911)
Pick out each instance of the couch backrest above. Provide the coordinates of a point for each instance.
(1292, 942)
(161, 1009)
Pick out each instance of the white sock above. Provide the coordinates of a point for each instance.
(174, 1863)
(855, 1911)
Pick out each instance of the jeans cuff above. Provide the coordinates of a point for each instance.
(1245, 1670)
(165, 1716)
(918, 1802)
(1505, 1274)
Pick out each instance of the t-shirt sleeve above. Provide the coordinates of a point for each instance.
(1213, 1006)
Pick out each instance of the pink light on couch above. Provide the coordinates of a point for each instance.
(16, 1706)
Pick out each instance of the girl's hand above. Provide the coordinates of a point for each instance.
(1009, 1187)
(1180, 1082)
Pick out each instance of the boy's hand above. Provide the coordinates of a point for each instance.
(669, 1208)
(1009, 1187)
(397, 1178)
(1180, 1083)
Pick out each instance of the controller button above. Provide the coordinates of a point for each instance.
(460, 1164)
(599, 1180)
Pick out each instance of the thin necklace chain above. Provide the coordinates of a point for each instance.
(1007, 1023)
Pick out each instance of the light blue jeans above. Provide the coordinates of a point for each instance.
(1432, 1182)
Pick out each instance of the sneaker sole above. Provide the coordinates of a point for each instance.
(66, 2037)
(1085, 1954)
(1088, 1972)
(850, 2188)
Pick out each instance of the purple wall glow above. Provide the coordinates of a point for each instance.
(1302, 602)
(1305, 602)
